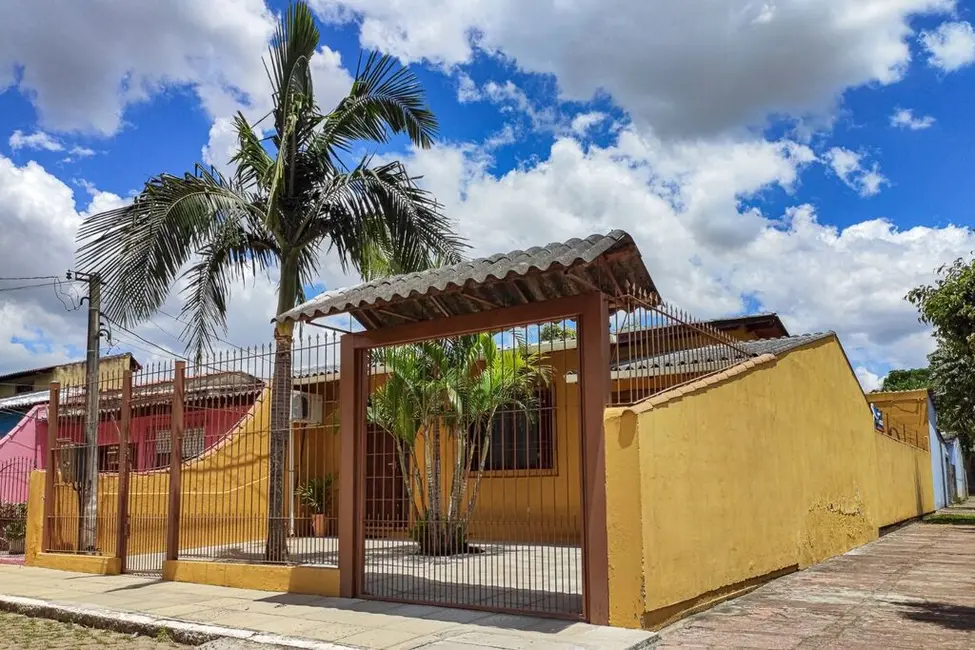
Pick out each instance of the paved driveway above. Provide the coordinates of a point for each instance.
(914, 588)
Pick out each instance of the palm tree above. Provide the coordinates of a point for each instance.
(294, 194)
(451, 388)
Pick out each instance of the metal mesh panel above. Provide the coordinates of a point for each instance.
(656, 347)
(84, 508)
(472, 474)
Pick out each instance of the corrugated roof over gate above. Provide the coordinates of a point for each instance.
(609, 263)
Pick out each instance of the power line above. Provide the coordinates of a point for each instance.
(29, 286)
(144, 340)
(33, 277)
(179, 320)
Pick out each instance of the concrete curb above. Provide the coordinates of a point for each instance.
(148, 625)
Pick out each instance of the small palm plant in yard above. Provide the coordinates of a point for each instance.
(446, 393)
(295, 194)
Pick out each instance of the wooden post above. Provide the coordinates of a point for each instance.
(125, 415)
(175, 462)
(594, 371)
(53, 406)
(351, 412)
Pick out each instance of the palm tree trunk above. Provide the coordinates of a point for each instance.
(276, 546)
(459, 482)
(482, 461)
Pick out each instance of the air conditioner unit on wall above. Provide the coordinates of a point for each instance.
(306, 407)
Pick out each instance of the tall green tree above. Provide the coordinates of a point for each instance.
(446, 394)
(948, 304)
(912, 379)
(552, 332)
(296, 192)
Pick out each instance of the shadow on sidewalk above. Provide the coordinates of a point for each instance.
(954, 617)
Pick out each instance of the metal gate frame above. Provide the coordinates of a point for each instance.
(15, 475)
(591, 312)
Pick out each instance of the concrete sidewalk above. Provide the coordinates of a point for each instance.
(913, 588)
(342, 622)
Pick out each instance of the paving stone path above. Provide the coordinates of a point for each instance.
(914, 588)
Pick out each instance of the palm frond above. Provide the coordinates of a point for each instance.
(232, 253)
(254, 164)
(381, 213)
(140, 249)
(385, 98)
(292, 46)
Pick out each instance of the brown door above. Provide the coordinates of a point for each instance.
(385, 492)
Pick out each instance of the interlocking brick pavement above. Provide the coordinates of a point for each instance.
(914, 588)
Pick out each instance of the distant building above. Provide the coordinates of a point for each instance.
(22, 390)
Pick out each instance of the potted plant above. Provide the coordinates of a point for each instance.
(316, 495)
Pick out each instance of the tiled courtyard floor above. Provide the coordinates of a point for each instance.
(914, 588)
(534, 578)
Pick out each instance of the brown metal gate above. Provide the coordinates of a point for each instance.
(472, 473)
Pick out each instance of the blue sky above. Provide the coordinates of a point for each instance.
(805, 157)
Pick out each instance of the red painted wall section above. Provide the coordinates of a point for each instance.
(145, 430)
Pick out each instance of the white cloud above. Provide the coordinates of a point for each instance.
(83, 64)
(82, 152)
(512, 98)
(951, 46)
(904, 118)
(331, 80)
(36, 140)
(847, 165)
(687, 206)
(685, 67)
(467, 90)
(582, 122)
(868, 381)
(40, 208)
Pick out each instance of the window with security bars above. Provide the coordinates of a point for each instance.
(108, 460)
(193, 442)
(521, 439)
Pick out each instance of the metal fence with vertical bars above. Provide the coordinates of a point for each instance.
(472, 472)
(656, 346)
(14, 489)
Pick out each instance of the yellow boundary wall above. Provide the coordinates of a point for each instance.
(772, 467)
(317, 581)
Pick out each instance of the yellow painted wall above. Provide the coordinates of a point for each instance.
(224, 491)
(109, 373)
(904, 481)
(776, 468)
(35, 517)
(318, 581)
(71, 374)
(541, 506)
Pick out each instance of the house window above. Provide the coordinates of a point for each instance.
(193, 441)
(108, 457)
(521, 439)
(24, 388)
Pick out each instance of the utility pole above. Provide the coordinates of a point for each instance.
(89, 514)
